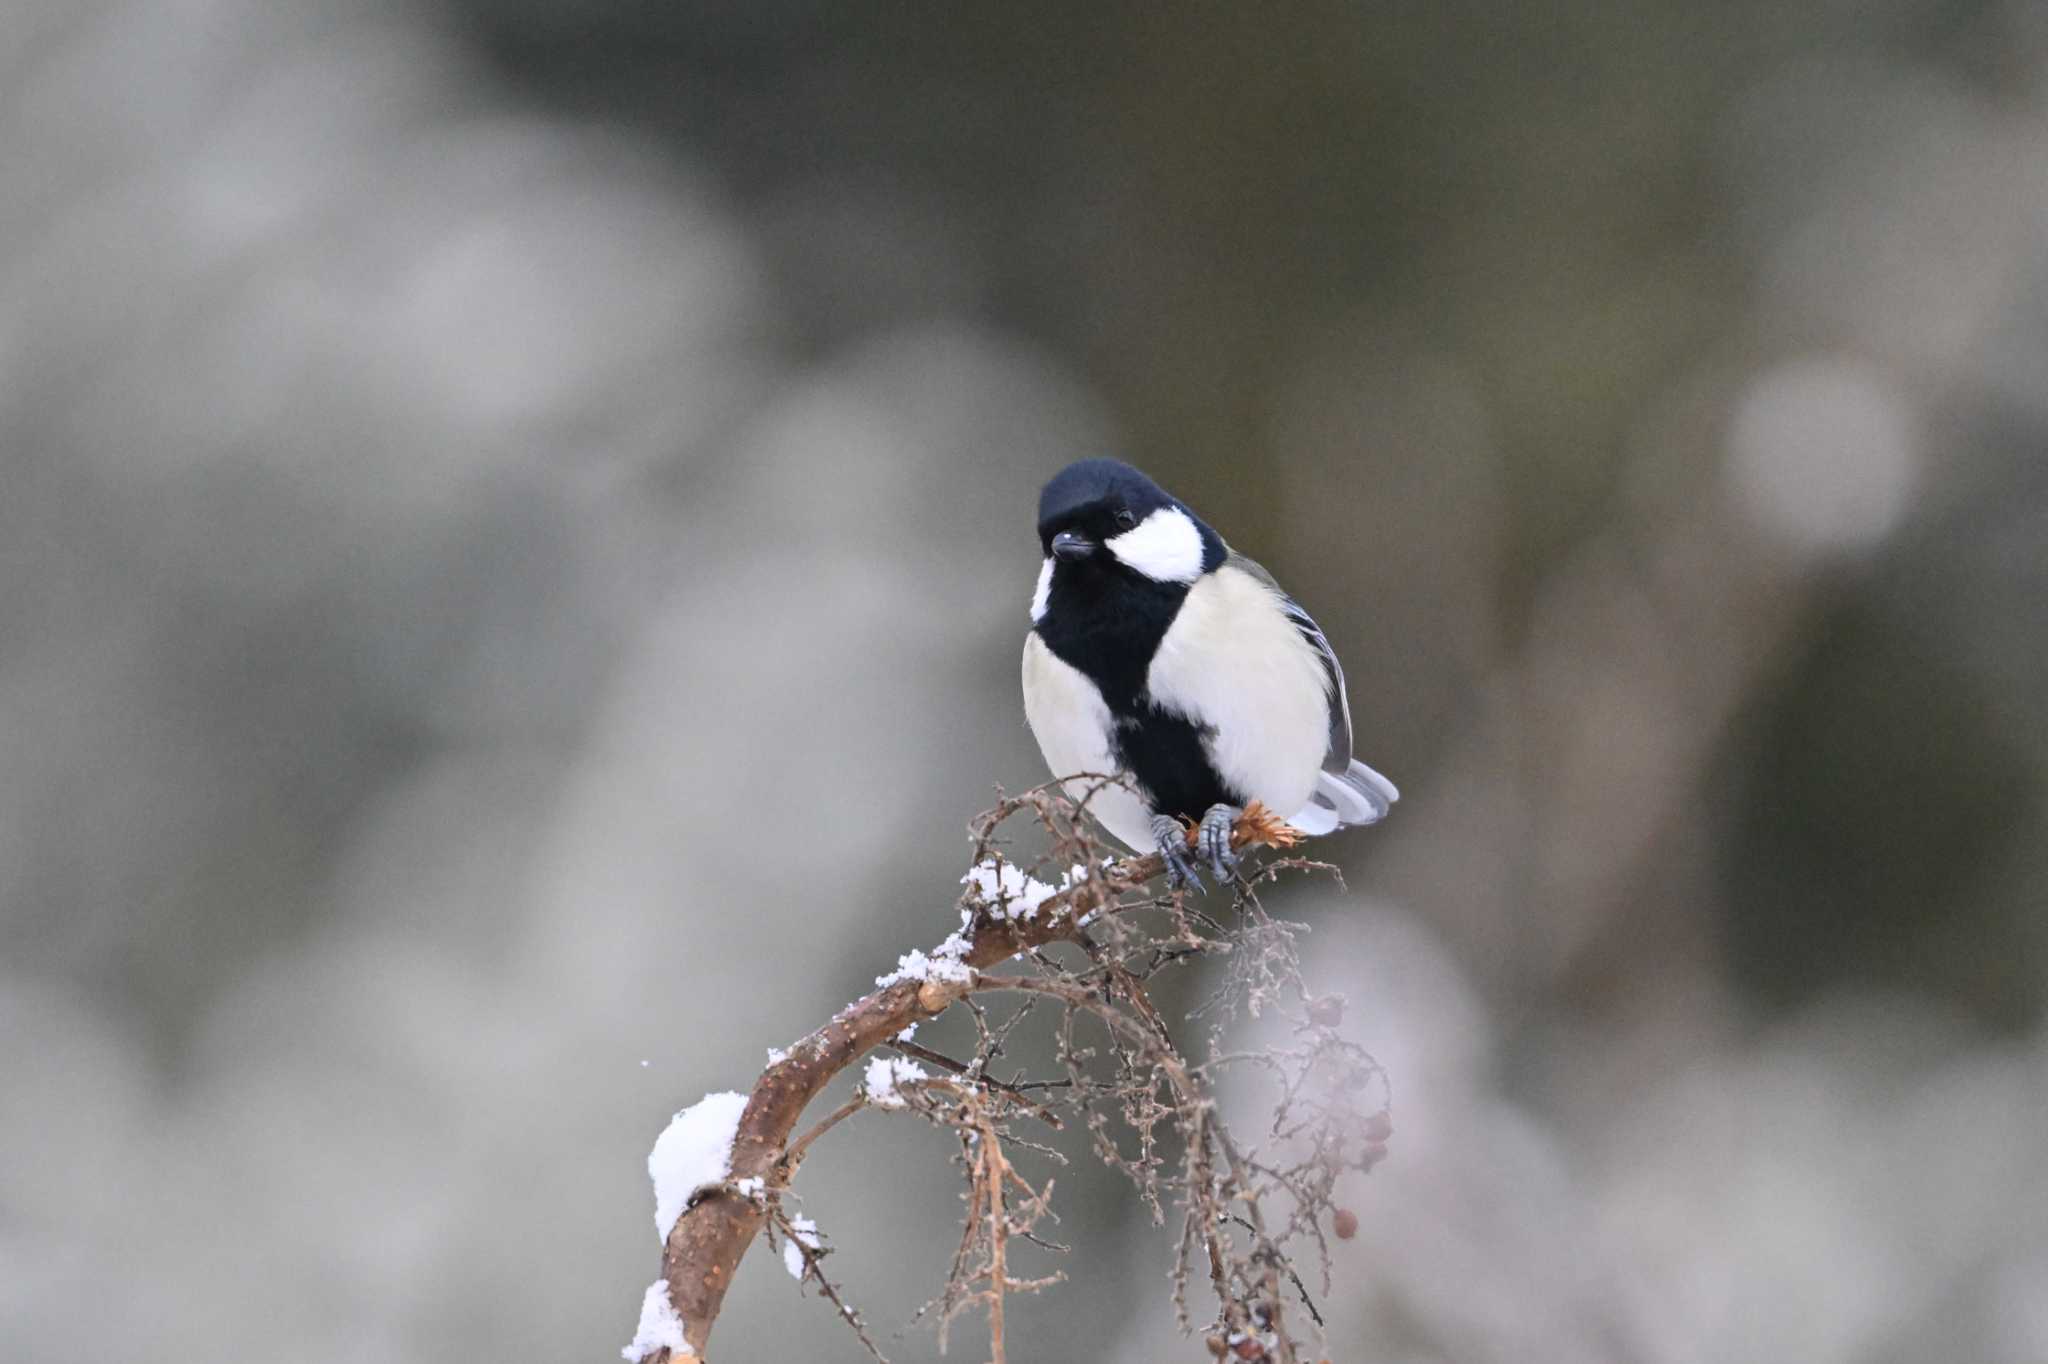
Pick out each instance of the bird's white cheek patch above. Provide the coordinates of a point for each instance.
(1043, 591)
(1165, 547)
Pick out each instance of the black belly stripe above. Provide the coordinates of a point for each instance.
(1169, 757)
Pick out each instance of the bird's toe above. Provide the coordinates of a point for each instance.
(1172, 840)
(1214, 838)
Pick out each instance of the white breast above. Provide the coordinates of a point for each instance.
(1234, 663)
(1072, 724)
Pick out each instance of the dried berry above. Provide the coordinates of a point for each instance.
(1249, 1348)
(1326, 1012)
(1373, 1154)
(1345, 1224)
(1379, 1127)
(1218, 1346)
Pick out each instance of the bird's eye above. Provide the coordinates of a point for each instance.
(1125, 518)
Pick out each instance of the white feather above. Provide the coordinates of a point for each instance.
(1314, 818)
(1365, 779)
(1234, 663)
(1043, 591)
(1359, 796)
(1072, 724)
(1351, 806)
(1166, 547)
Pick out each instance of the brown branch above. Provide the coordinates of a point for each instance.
(947, 1063)
(1268, 1256)
(995, 1173)
(795, 1155)
(705, 1245)
(809, 1253)
(1202, 1215)
(981, 1266)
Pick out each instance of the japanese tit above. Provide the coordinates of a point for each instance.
(1161, 656)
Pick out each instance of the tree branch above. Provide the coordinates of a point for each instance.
(704, 1247)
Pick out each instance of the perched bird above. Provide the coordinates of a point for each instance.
(1159, 655)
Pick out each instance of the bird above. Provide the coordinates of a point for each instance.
(1170, 681)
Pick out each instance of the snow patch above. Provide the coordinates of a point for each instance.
(944, 962)
(660, 1328)
(1003, 892)
(1008, 893)
(884, 1073)
(802, 1230)
(776, 1056)
(694, 1151)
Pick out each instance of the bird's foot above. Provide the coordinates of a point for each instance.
(1171, 836)
(1212, 839)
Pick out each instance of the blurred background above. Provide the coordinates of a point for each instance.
(515, 529)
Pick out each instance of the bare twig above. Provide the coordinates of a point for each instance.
(1136, 1081)
(795, 1154)
(810, 1253)
(947, 1063)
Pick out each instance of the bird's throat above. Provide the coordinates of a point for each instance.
(1107, 622)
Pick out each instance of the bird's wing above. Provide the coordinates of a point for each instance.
(1347, 792)
(1337, 757)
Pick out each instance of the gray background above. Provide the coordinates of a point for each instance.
(515, 526)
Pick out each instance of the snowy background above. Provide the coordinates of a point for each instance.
(515, 527)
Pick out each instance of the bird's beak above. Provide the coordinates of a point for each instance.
(1071, 544)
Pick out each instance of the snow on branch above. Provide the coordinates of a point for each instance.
(692, 1153)
(1086, 941)
(660, 1329)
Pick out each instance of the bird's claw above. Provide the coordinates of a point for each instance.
(1172, 839)
(1213, 840)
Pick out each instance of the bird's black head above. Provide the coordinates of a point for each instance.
(1103, 512)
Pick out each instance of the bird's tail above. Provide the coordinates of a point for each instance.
(1358, 795)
